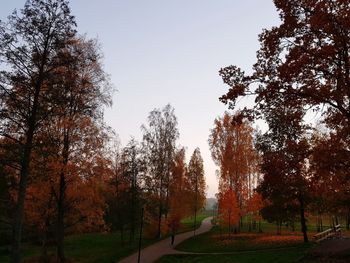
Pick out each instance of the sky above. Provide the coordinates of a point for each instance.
(161, 51)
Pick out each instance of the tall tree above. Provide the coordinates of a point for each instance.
(178, 203)
(196, 183)
(285, 152)
(231, 145)
(133, 171)
(29, 44)
(159, 140)
(304, 63)
(81, 91)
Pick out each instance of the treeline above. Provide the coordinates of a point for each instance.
(60, 172)
(302, 70)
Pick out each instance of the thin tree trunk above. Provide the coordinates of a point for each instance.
(24, 174)
(122, 234)
(229, 223)
(17, 227)
(60, 220)
(25, 161)
(61, 200)
(159, 234)
(302, 220)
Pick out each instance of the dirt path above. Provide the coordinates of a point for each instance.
(164, 247)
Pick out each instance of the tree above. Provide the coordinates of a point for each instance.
(254, 206)
(132, 171)
(196, 184)
(303, 63)
(229, 209)
(231, 145)
(306, 58)
(178, 203)
(29, 45)
(329, 178)
(159, 140)
(81, 91)
(285, 151)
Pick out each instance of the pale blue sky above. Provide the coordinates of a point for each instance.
(163, 51)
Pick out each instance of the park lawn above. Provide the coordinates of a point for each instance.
(89, 248)
(96, 247)
(286, 255)
(217, 241)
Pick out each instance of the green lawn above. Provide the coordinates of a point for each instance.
(277, 256)
(89, 248)
(97, 247)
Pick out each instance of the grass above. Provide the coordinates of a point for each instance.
(96, 247)
(188, 223)
(277, 256)
(89, 248)
(215, 241)
(243, 247)
(105, 248)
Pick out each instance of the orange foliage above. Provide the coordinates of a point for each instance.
(229, 210)
(254, 205)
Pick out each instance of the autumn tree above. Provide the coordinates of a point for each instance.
(231, 145)
(116, 197)
(196, 184)
(133, 172)
(81, 91)
(305, 62)
(254, 206)
(285, 153)
(29, 45)
(229, 210)
(159, 139)
(178, 204)
(329, 180)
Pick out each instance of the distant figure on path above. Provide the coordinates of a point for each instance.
(172, 238)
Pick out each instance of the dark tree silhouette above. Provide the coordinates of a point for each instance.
(29, 44)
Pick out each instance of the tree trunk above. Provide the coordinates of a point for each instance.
(195, 221)
(122, 234)
(133, 197)
(24, 173)
(229, 223)
(159, 234)
(60, 220)
(17, 227)
(25, 161)
(302, 220)
(260, 230)
(61, 200)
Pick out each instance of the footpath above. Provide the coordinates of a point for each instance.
(153, 252)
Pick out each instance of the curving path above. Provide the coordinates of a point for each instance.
(164, 247)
